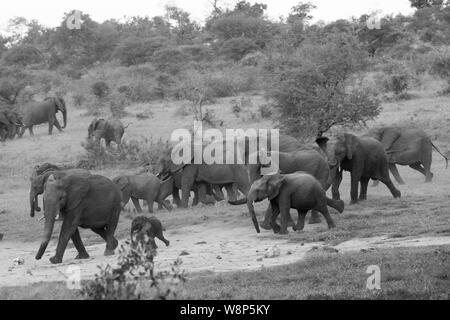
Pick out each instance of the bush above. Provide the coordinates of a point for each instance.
(78, 99)
(170, 60)
(117, 105)
(397, 79)
(236, 48)
(134, 278)
(441, 67)
(130, 153)
(135, 50)
(23, 55)
(100, 89)
(265, 111)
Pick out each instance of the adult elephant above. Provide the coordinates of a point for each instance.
(43, 112)
(10, 123)
(310, 161)
(111, 130)
(39, 178)
(407, 147)
(364, 157)
(88, 202)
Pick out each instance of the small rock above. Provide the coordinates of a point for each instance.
(3, 211)
(259, 259)
(200, 242)
(314, 248)
(289, 252)
(18, 261)
(1, 236)
(184, 253)
(29, 272)
(272, 252)
(364, 250)
(219, 257)
(330, 249)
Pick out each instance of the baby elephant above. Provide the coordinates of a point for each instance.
(298, 190)
(150, 227)
(147, 187)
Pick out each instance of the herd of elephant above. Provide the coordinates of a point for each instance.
(305, 173)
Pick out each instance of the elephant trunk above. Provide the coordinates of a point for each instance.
(64, 112)
(33, 203)
(48, 230)
(251, 210)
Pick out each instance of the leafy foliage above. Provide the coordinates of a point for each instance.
(135, 278)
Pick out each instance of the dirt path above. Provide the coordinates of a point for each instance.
(208, 247)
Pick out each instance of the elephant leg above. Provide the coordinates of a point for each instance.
(176, 197)
(395, 192)
(101, 232)
(301, 220)
(111, 241)
(30, 128)
(185, 192)
(336, 183)
(57, 125)
(203, 196)
(267, 224)
(274, 211)
(231, 194)
(395, 173)
(354, 181)
(165, 204)
(195, 200)
(217, 193)
(363, 191)
(150, 205)
(324, 210)
(136, 204)
(315, 218)
(50, 127)
(76, 239)
(68, 228)
(418, 166)
(284, 205)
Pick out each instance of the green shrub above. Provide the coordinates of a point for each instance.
(265, 111)
(134, 278)
(236, 48)
(100, 89)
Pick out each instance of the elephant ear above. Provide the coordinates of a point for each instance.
(350, 145)
(122, 182)
(322, 143)
(76, 190)
(274, 184)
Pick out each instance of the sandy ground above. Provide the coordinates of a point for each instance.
(201, 248)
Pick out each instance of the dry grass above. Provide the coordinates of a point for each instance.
(406, 273)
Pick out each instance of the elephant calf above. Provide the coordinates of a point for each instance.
(147, 187)
(111, 130)
(298, 190)
(145, 229)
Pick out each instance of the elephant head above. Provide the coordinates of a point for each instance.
(60, 105)
(342, 148)
(61, 193)
(166, 167)
(125, 187)
(267, 187)
(142, 233)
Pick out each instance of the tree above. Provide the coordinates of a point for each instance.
(420, 4)
(23, 55)
(310, 88)
(185, 29)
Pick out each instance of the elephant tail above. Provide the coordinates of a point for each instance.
(439, 151)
